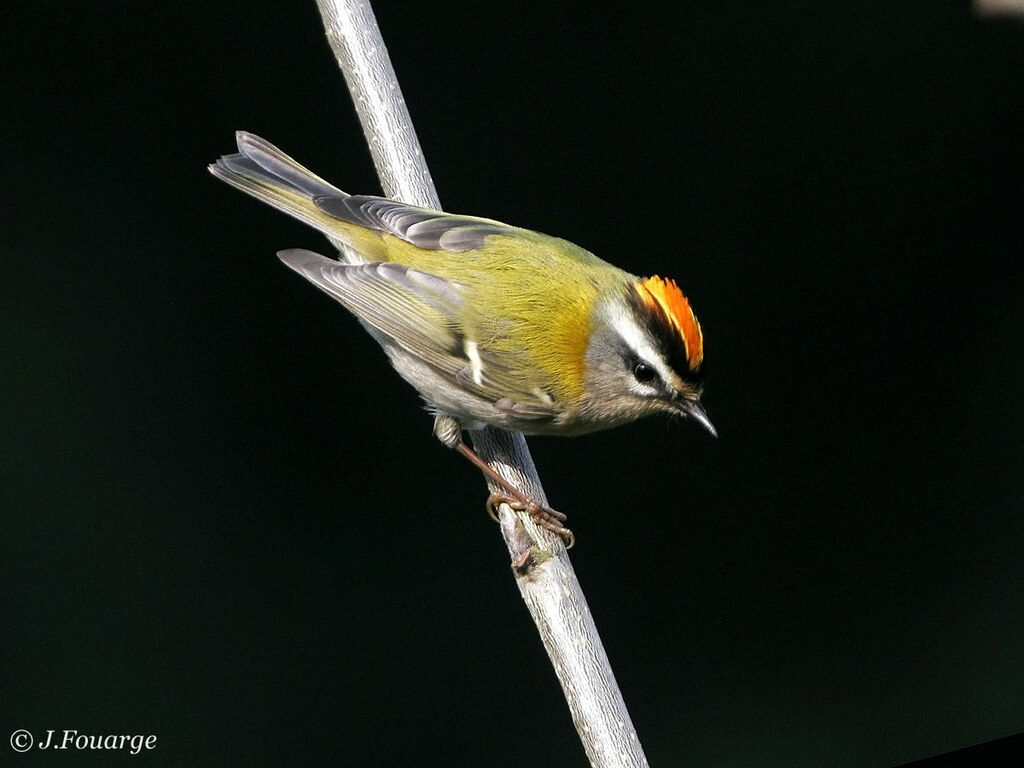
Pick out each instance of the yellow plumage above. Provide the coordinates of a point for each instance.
(544, 318)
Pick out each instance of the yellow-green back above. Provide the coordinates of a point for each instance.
(530, 297)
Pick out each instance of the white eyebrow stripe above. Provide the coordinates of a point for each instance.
(476, 364)
(637, 340)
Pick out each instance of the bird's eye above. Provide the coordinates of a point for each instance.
(644, 373)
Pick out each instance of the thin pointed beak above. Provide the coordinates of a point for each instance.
(696, 412)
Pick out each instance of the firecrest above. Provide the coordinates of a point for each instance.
(492, 324)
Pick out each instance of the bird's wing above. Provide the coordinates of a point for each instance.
(421, 227)
(422, 313)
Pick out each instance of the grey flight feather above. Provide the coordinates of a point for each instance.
(431, 230)
(392, 297)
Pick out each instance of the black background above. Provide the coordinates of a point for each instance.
(226, 522)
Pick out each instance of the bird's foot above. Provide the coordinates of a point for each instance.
(545, 517)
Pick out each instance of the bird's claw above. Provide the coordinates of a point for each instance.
(545, 517)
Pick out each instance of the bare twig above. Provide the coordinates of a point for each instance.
(544, 574)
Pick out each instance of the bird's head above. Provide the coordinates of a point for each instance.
(645, 355)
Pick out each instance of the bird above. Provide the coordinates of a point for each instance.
(493, 325)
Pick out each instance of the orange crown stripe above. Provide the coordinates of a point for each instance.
(676, 307)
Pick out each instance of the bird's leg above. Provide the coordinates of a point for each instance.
(448, 431)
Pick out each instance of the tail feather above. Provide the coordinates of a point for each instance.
(273, 161)
(262, 170)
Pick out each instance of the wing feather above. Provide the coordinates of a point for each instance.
(422, 227)
(421, 313)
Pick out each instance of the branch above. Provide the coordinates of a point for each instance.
(543, 571)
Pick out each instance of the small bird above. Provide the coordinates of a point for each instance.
(492, 324)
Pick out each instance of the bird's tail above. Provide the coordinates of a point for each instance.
(262, 170)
